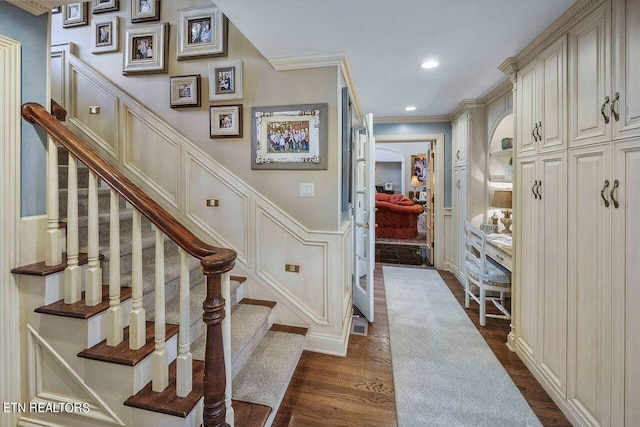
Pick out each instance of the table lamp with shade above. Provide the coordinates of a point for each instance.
(415, 183)
(502, 199)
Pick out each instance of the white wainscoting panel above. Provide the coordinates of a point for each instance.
(448, 236)
(228, 222)
(308, 289)
(86, 92)
(151, 155)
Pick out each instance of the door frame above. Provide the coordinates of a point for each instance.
(10, 137)
(438, 191)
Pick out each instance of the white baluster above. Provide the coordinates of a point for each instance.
(184, 377)
(114, 314)
(93, 275)
(53, 255)
(226, 344)
(160, 355)
(137, 325)
(72, 279)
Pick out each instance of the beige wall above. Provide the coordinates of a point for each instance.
(262, 87)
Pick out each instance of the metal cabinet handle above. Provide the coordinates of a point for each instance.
(604, 189)
(533, 133)
(538, 131)
(533, 189)
(606, 101)
(614, 113)
(613, 199)
(458, 155)
(538, 189)
(458, 184)
(499, 257)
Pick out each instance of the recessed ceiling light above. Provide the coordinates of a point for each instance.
(429, 64)
(410, 108)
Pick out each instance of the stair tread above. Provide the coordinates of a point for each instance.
(246, 320)
(261, 302)
(266, 375)
(40, 269)
(121, 354)
(79, 310)
(239, 279)
(289, 329)
(167, 402)
(247, 414)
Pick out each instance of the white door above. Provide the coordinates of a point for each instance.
(527, 116)
(364, 216)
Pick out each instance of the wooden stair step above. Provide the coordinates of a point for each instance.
(260, 302)
(250, 414)
(40, 269)
(289, 329)
(121, 354)
(79, 310)
(239, 279)
(167, 402)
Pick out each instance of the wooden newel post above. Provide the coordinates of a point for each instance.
(215, 381)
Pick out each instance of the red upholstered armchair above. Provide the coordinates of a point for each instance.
(396, 216)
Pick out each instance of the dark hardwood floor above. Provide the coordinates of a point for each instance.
(358, 390)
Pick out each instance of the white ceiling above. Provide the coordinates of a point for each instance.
(387, 39)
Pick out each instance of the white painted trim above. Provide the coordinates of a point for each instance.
(36, 7)
(10, 142)
(438, 192)
(411, 119)
(313, 60)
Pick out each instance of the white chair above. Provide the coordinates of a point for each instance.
(485, 274)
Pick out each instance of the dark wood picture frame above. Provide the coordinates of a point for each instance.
(218, 113)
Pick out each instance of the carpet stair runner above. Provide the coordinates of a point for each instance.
(263, 360)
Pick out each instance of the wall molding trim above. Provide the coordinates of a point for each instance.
(313, 60)
(10, 142)
(36, 7)
(411, 119)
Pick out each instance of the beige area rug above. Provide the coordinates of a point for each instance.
(444, 372)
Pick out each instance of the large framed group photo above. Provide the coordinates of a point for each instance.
(289, 137)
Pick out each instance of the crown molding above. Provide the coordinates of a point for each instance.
(38, 7)
(564, 23)
(498, 92)
(314, 60)
(466, 104)
(411, 119)
(509, 66)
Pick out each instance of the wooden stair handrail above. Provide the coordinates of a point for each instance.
(214, 260)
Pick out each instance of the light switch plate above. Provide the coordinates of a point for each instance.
(307, 189)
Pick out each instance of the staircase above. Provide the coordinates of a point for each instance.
(263, 355)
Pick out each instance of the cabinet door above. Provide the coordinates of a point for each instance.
(455, 214)
(625, 221)
(553, 98)
(526, 242)
(462, 208)
(589, 79)
(552, 269)
(626, 69)
(527, 117)
(589, 285)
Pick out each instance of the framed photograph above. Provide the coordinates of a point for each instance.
(202, 31)
(225, 121)
(75, 15)
(419, 166)
(225, 80)
(56, 9)
(145, 49)
(145, 10)
(102, 6)
(185, 91)
(289, 137)
(104, 37)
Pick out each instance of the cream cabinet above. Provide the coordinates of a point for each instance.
(577, 221)
(542, 102)
(459, 216)
(460, 142)
(604, 58)
(541, 314)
